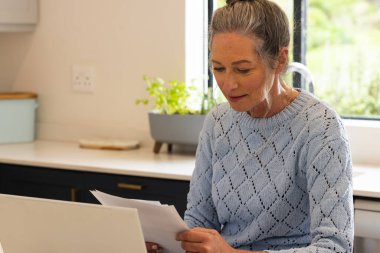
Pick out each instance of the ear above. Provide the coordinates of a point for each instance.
(282, 60)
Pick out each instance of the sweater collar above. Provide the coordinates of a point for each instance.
(278, 119)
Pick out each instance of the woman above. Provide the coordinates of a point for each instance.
(273, 167)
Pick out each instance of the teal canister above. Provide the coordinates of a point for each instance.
(17, 117)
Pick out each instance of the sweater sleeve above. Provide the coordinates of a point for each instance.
(201, 211)
(329, 185)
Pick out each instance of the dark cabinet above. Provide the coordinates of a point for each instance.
(41, 182)
(76, 185)
(172, 192)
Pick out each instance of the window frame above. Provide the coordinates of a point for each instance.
(362, 133)
(299, 38)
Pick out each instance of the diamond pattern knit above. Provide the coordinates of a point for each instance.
(279, 184)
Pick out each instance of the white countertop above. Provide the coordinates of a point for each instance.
(366, 181)
(68, 155)
(139, 162)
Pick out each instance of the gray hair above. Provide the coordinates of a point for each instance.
(258, 19)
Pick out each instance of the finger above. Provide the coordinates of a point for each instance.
(151, 246)
(197, 235)
(191, 246)
(159, 250)
(193, 236)
(206, 230)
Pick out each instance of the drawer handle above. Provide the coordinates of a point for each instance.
(135, 187)
(73, 194)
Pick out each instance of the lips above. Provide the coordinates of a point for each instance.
(236, 98)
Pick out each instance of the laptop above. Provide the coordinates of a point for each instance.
(33, 225)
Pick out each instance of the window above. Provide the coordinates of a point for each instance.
(341, 50)
(343, 54)
(338, 41)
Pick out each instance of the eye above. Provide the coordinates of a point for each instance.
(218, 69)
(243, 71)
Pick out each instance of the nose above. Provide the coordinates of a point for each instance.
(229, 82)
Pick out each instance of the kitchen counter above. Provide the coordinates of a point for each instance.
(68, 155)
(366, 181)
(140, 162)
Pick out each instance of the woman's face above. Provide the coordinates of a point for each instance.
(241, 74)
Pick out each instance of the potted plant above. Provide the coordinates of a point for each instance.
(175, 118)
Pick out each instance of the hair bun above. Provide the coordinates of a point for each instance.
(231, 2)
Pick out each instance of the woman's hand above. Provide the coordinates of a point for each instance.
(153, 247)
(203, 240)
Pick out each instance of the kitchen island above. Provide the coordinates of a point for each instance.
(63, 170)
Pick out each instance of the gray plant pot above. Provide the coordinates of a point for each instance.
(175, 128)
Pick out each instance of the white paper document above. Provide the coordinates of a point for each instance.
(160, 223)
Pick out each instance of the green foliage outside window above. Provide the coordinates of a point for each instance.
(343, 54)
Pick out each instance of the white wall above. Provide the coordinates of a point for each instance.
(13, 48)
(121, 39)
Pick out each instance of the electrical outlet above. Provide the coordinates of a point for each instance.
(83, 78)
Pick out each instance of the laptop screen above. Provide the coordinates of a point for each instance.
(32, 225)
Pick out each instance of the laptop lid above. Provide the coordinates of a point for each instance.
(33, 225)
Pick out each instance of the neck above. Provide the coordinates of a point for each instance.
(279, 97)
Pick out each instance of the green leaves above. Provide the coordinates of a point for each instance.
(172, 97)
(343, 54)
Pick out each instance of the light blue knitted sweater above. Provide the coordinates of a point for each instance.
(279, 184)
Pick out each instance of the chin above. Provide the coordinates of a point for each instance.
(238, 108)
